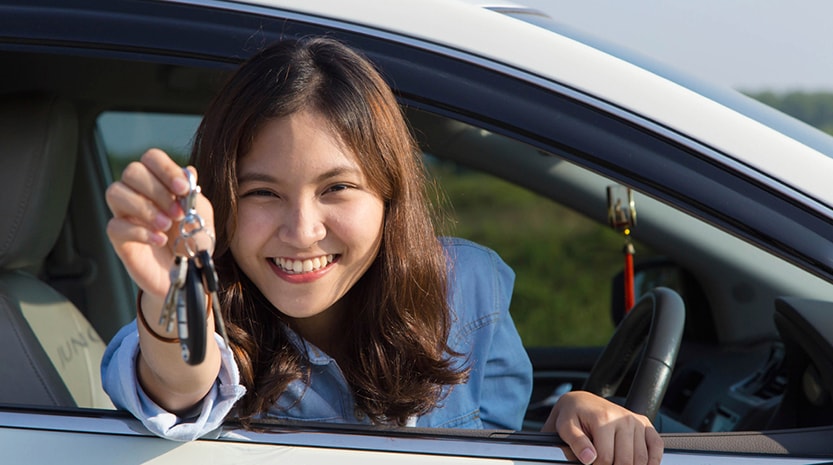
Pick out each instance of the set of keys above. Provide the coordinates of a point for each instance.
(193, 276)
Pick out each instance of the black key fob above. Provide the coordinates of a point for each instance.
(193, 343)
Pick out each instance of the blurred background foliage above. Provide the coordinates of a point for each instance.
(563, 262)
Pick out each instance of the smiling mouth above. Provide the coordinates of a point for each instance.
(307, 265)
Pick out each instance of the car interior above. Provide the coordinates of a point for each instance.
(756, 352)
(51, 351)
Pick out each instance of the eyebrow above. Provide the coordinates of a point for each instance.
(268, 178)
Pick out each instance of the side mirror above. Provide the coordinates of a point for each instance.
(657, 272)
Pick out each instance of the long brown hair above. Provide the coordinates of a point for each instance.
(396, 360)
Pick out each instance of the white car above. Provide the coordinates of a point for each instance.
(531, 132)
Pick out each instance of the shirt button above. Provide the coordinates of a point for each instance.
(358, 413)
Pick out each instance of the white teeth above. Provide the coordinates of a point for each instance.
(303, 266)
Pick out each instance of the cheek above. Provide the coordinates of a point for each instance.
(254, 225)
(365, 224)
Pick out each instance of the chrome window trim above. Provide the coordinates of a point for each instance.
(106, 424)
(458, 446)
(298, 436)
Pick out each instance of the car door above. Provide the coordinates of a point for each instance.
(526, 139)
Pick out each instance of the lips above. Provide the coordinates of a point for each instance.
(307, 265)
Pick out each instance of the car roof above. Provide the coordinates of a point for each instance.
(478, 33)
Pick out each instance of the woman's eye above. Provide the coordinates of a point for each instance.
(337, 187)
(259, 193)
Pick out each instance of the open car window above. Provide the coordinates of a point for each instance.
(128, 134)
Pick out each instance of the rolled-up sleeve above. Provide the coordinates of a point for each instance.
(119, 379)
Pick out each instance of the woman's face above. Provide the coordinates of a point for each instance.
(308, 224)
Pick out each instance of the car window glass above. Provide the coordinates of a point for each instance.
(128, 134)
(564, 262)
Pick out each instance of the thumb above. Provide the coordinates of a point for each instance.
(571, 432)
(581, 445)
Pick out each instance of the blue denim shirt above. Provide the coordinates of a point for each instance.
(495, 396)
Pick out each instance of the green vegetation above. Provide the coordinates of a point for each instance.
(563, 262)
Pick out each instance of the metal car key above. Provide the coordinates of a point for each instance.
(178, 275)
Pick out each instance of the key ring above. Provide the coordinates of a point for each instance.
(192, 224)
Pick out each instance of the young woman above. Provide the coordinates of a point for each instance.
(340, 302)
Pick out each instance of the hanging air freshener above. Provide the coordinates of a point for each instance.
(621, 214)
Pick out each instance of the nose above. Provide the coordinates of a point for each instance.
(302, 226)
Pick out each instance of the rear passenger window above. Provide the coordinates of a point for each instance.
(127, 135)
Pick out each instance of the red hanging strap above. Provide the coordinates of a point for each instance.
(628, 277)
(621, 214)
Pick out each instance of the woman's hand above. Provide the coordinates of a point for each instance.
(146, 214)
(143, 231)
(603, 433)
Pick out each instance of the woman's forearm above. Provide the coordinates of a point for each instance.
(165, 377)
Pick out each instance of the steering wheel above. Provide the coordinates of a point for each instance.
(656, 322)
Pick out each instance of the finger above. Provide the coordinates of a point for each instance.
(167, 171)
(656, 446)
(139, 177)
(193, 171)
(640, 444)
(121, 231)
(125, 202)
(621, 449)
(138, 248)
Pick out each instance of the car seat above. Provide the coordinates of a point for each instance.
(49, 352)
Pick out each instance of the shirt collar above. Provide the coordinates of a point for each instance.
(315, 355)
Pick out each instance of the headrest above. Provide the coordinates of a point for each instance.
(38, 144)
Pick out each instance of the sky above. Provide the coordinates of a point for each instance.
(749, 45)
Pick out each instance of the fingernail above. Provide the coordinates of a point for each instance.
(158, 239)
(587, 456)
(162, 222)
(175, 211)
(180, 186)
